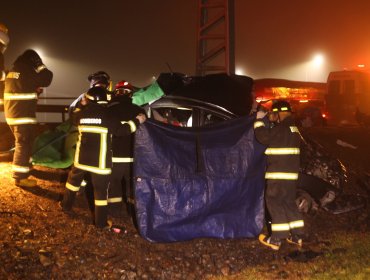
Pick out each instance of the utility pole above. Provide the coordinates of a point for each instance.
(215, 37)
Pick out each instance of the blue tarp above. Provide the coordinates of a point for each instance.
(199, 182)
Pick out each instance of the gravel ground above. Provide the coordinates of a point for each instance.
(38, 241)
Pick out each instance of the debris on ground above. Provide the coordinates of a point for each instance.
(345, 144)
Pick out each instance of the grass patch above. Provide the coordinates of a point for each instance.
(346, 256)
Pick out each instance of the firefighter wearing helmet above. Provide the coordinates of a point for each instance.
(124, 88)
(4, 41)
(23, 85)
(96, 124)
(96, 79)
(99, 79)
(282, 138)
(121, 180)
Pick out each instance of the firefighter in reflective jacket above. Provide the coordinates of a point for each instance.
(23, 85)
(122, 106)
(282, 139)
(4, 41)
(96, 124)
(97, 79)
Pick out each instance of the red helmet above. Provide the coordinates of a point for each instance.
(123, 87)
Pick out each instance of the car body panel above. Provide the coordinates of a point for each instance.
(315, 161)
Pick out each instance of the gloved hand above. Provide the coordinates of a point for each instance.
(141, 117)
(39, 91)
(261, 114)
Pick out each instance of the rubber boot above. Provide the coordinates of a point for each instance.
(101, 216)
(68, 200)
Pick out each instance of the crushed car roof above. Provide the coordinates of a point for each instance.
(233, 92)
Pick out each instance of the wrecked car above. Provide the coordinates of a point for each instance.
(205, 101)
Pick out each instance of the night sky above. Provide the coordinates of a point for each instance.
(134, 39)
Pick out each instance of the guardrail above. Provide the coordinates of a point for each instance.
(42, 108)
(51, 108)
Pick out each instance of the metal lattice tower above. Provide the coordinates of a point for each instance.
(215, 37)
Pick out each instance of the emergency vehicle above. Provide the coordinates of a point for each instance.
(307, 99)
(348, 96)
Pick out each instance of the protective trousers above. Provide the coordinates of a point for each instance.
(100, 185)
(24, 136)
(120, 185)
(280, 201)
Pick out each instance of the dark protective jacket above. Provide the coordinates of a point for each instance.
(96, 125)
(126, 111)
(2, 77)
(21, 87)
(283, 148)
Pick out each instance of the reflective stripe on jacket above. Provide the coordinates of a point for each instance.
(122, 159)
(283, 148)
(122, 146)
(20, 108)
(98, 166)
(20, 97)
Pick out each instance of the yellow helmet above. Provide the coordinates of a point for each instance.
(4, 38)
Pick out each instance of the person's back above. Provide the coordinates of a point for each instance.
(93, 150)
(93, 153)
(280, 136)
